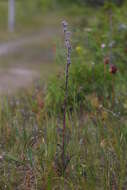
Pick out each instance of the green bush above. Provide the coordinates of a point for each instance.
(83, 81)
(86, 77)
(102, 2)
(91, 2)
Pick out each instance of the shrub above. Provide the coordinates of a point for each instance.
(84, 80)
(101, 2)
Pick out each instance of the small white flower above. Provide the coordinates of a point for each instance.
(103, 46)
(88, 29)
(65, 25)
(64, 22)
(100, 106)
(92, 63)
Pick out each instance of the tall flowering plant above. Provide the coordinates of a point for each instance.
(67, 38)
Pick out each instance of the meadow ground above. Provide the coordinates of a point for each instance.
(31, 120)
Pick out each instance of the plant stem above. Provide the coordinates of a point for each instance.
(68, 61)
(65, 109)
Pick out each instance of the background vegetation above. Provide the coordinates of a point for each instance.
(96, 134)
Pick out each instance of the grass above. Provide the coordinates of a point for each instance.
(96, 129)
(29, 145)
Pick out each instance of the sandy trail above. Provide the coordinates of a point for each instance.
(23, 58)
(45, 35)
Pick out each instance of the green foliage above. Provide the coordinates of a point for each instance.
(96, 142)
(102, 2)
(83, 81)
(88, 74)
(96, 134)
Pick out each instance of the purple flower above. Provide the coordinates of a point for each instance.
(65, 25)
(103, 46)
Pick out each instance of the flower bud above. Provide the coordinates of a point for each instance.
(113, 69)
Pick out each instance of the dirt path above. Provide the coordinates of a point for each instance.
(24, 59)
(45, 35)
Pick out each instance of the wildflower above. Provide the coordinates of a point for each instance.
(88, 29)
(113, 69)
(68, 60)
(68, 35)
(93, 63)
(67, 44)
(103, 143)
(103, 46)
(65, 25)
(100, 106)
(79, 49)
